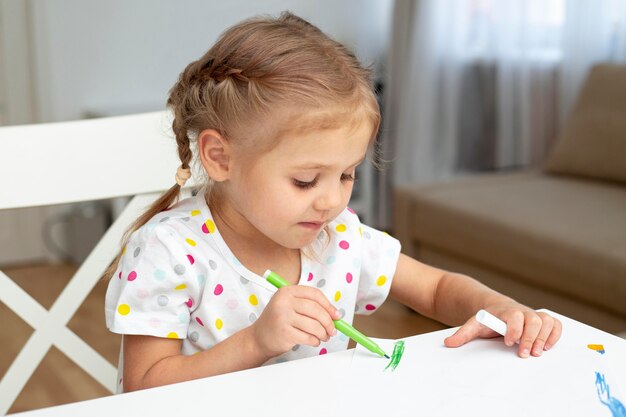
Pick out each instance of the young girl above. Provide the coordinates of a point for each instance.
(279, 116)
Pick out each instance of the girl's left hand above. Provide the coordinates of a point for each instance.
(535, 331)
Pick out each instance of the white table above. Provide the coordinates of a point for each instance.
(307, 387)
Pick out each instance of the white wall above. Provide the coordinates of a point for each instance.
(120, 56)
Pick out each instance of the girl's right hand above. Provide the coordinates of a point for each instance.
(296, 315)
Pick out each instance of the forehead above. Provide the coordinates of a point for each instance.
(329, 146)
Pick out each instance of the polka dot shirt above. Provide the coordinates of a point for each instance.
(178, 279)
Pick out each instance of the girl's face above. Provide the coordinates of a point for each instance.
(291, 192)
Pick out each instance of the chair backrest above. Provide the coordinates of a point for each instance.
(85, 160)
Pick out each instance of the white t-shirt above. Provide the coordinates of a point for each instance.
(177, 278)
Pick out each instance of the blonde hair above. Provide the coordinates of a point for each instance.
(252, 78)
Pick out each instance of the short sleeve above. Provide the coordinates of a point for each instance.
(378, 266)
(154, 289)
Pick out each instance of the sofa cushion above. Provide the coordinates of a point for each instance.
(552, 231)
(593, 140)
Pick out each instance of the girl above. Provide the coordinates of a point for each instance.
(279, 116)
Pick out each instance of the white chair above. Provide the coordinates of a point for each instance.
(85, 160)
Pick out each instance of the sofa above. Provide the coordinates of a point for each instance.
(551, 237)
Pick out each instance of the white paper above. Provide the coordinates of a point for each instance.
(482, 378)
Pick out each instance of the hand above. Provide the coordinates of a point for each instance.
(295, 315)
(535, 331)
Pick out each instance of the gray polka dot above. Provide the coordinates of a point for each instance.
(357, 307)
(163, 300)
(321, 283)
(281, 360)
(252, 317)
(185, 219)
(367, 235)
(243, 280)
(137, 252)
(212, 264)
(342, 313)
(194, 336)
(179, 269)
(164, 219)
(295, 347)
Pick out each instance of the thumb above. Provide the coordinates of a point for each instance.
(469, 331)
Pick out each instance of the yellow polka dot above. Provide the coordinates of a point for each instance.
(191, 241)
(219, 324)
(123, 309)
(195, 212)
(385, 233)
(340, 227)
(124, 250)
(180, 287)
(210, 226)
(253, 300)
(172, 335)
(337, 295)
(360, 231)
(381, 280)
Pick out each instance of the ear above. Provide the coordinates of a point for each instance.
(214, 151)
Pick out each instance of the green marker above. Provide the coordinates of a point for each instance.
(340, 325)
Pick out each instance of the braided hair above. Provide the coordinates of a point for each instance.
(252, 79)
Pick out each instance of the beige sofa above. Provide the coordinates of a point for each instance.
(553, 238)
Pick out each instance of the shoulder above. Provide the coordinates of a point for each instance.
(180, 225)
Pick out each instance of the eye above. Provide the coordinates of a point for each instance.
(305, 185)
(347, 177)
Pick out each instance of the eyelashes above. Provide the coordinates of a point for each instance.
(305, 185)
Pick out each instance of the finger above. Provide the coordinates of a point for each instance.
(532, 326)
(310, 326)
(469, 331)
(555, 335)
(514, 328)
(547, 323)
(315, 311)
(303, 291)
(299, 337)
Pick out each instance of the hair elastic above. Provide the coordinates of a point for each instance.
(182, 175)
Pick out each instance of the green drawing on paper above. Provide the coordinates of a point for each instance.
(398, 351)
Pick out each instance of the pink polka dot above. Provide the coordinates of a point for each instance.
(344, 244)
(323, 351)
(199, 321)
(349, 277)
(142, 293)
(189, 303)
(191, 260)
(119, 275)
(310, 278)
(350, 210)
(132, 276)
(218, 289)
(370, 307)
(232, 303)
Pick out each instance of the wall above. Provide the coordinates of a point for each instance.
(119, 56)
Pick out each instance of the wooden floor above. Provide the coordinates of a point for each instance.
(58, 380)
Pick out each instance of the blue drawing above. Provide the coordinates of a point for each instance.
(604, 394)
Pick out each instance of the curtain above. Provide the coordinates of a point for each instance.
(475, 85)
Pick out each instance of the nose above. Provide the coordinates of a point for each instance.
(329, 198)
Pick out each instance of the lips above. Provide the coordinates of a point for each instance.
(312, 225)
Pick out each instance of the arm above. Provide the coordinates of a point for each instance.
(454, 299)
(295, 315)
